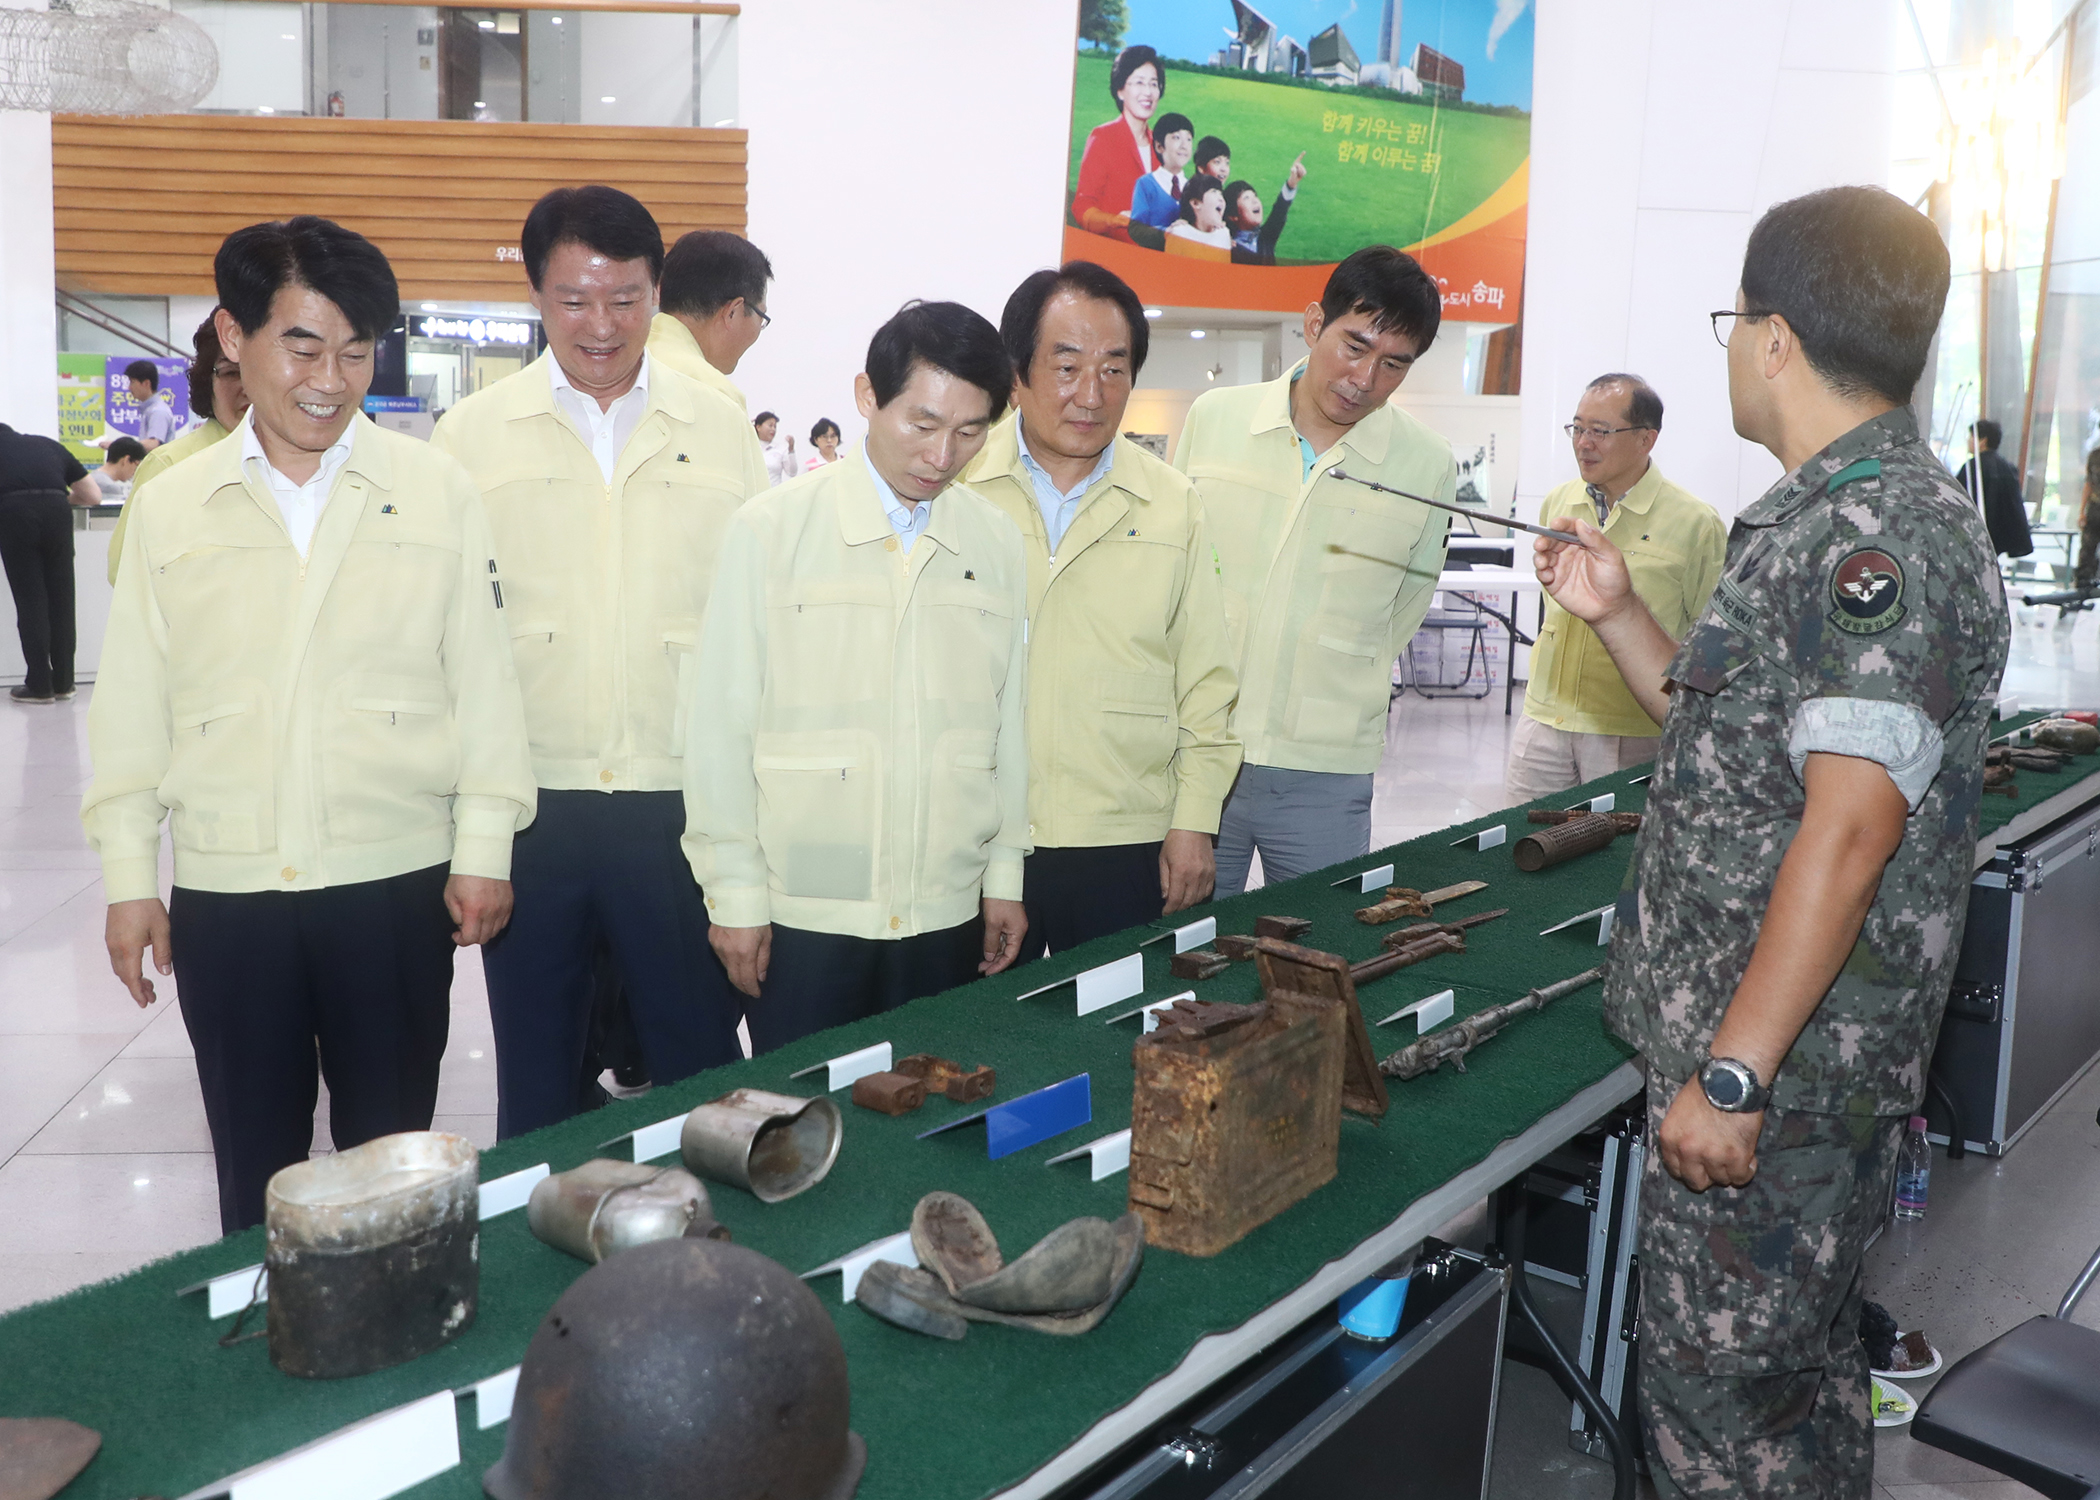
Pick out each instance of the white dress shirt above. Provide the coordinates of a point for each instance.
(907, 521)
(299, 504)
(607, 428)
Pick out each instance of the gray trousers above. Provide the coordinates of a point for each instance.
(1301, 821)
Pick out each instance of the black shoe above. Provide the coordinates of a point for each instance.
(63, 695)
(23, 695)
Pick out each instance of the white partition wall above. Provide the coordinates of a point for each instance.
(1662, 130)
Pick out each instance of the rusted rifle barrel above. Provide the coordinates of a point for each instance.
(1394, 959)
(1552, 846)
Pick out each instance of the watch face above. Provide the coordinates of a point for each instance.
(1724, 1086)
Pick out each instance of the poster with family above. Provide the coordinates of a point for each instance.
(1227, 156)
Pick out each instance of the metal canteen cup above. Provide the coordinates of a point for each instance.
(373, 1254)
(771, 1145)
(604, 1207)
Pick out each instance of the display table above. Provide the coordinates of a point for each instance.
(1003, 1410)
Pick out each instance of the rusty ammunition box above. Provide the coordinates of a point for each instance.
(1239, 947)
(1198, 963)
(889, 1093)
(1290, 973)
(1288, 929)
(1235, 1116)
(950, 1079)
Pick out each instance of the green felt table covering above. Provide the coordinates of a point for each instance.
(2030, 788)
(958, 1420)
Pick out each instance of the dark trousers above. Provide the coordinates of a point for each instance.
(816, 980)
(36, 548)
(1072, 895)
(604, 865)
(360, 974)
(2088, 570)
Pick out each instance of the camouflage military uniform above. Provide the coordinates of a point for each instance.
(1859, 613)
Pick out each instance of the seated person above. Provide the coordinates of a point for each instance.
(1156, 200)
(113, 479)
(1201, 231)
(1253, 240)
(1214, 158)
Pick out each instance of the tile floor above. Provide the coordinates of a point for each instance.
(105, 1164)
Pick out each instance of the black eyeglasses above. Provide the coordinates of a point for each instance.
(1716, 317)
(765, 318)
(1578, 432)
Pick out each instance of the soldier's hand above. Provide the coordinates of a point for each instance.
(1703, 1147)
(479, 905)
(1005, 924)
(1188, 869)
(128, 931)
(1589, 582)
(746, 952)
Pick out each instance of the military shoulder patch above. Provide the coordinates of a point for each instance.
(1866, 592)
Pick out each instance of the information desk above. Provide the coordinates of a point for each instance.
(1003, 1410)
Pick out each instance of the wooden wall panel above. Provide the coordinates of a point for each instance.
(143, 203)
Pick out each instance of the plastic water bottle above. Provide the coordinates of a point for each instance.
(1913, 1171)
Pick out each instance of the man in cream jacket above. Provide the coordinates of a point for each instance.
(307, 665)
(856, 774)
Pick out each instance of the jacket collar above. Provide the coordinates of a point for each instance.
(368, 458)
(1641, 497)
(1871, 439)
(535, 394)
(862, 518)
(1368, 439)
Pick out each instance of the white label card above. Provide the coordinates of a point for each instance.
(896, 1249)
(1581, 916)
(1487, 838)
(1604, 920)
(1604, 803)
(1108, 983)
(492, 1398)
(228, 1294)
(369, 1460)
(502, 1194)
(1375, 879)
(1430, 1011)
(660, 1139)
(1106, 1156)
(2008, 706)
(844, 1072)
(1195, 935)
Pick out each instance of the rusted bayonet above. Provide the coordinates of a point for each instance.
(1402, 901)
(1403, 955)
(1400, 935)
(1453, 1043)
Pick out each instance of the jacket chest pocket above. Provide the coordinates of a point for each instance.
(1363, 554)
(819, 812)
(965, 640)
(394, 591)
(389, 758)
(828, 641)
(221, 782)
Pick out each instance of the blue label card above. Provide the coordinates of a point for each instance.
(1020, 1123)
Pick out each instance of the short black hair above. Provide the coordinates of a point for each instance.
(1021, 324)
(597, 217)
(1167, 124)
(764, 417)
(711, 267)
(947, 336)
(123, 448)
(1192, 193)
(1392, 287)
(1209, 147)
(1988, 433)
(255, 263)
(205, 358)
(824, 425)
(1861, 277)
(1643, 407)
(143, 369)
(1233, 192)
(1127, 62)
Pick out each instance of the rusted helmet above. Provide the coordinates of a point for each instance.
(679, 1368)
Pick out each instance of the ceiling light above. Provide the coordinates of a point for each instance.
(724, 124)
(264, 109)
(487, 25)
(1196, 333)
(430, 307)
(1214, 372)
(1153, 312)
(605, 98)
(557, 20)
(288, 36)
(481, 104)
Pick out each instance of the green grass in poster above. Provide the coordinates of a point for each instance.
(1412, 168)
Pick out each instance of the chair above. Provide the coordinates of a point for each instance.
(2027, 1404)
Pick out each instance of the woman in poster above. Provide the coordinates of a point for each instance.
(1119, 151)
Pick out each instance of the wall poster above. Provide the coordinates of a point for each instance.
(1227, 155)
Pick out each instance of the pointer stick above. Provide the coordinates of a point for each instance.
(1567, 537)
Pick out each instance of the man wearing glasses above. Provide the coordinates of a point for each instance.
(1580, 721)
(713, 309)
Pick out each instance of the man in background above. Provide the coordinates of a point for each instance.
(713, 308)
(156, 417)
(1130, 680)
(857, 776)
(120, 463)
(609, 479)
(40, 483)
(1580, 720)
(1326, 581)
(1994, 484)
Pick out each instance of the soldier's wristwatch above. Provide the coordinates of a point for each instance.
(1732, 1086)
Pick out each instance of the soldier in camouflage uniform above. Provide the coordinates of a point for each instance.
(1796, 901)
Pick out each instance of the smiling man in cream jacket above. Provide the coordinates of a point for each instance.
(307, 665)
(856, 778)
